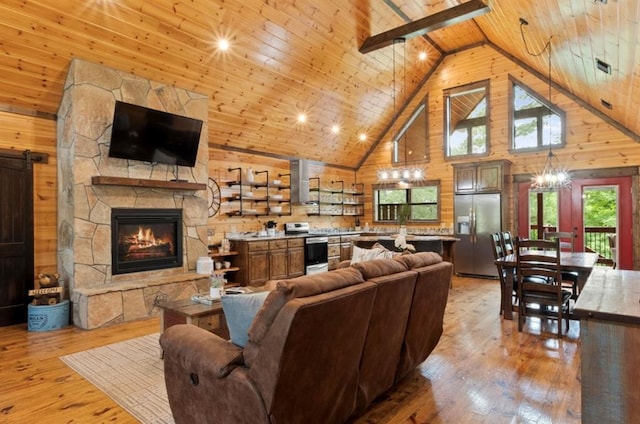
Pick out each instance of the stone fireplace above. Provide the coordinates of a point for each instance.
(92, 186)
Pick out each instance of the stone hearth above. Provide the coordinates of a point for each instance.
(84, 209)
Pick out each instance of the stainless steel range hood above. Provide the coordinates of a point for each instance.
(299, 181)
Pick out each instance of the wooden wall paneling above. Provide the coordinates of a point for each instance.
(305, 55)
(221, 160)
(306, 51)
(591, 142)
(155, 41)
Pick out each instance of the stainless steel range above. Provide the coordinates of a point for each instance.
(316, 248)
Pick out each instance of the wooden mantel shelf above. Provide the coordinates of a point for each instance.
(141, 182)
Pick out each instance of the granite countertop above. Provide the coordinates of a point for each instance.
(409, 237)
(253, 236)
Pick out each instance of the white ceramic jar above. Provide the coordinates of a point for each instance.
(204, 265)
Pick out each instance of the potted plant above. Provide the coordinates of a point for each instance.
(403, 214)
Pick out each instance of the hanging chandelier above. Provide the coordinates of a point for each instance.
(553, 176)
(399, 174)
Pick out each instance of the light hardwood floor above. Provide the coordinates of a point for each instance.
(482, 371)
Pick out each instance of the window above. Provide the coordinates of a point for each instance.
(543, 213)
(466, 117)
(536, 123)
(423, 199)
(411, 143)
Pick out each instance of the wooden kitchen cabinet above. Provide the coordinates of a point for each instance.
(480, 177)
(334, 252)
(346, 249)
(264, 260)
(278, 268)
(257, 269)
(252, 262)
(295, 257)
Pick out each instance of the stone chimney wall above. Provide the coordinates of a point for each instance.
(84, 210)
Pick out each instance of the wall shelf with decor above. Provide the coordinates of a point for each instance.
(222, 257)
(334, 201)
(279, 195)
(258, 197)
(353, 200)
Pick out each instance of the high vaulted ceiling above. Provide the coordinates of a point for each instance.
(289, 57)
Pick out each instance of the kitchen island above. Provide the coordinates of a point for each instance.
(609, 312)
(268, 257)
(443, 245)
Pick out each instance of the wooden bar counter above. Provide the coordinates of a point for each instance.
(609, 312)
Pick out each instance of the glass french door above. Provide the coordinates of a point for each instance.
(565, 211)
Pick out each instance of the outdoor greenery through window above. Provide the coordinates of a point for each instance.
(599, 220)
(549, 212)
(423, 200)
(536, 124)
(466, 118)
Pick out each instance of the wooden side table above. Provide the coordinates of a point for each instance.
(186, 311)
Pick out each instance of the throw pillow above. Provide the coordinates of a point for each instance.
(361, 255)
(239, 312)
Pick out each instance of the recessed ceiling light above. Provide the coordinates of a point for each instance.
(302, 118)
(223, 44)
(335, 128)
(362, 137)
(422, 56)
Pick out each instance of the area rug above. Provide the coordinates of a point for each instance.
(131, 373)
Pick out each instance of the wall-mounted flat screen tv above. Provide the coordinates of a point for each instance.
(149, 135)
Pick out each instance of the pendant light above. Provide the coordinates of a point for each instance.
(403, 174)
(553, 176)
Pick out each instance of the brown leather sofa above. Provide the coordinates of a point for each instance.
(320, 350)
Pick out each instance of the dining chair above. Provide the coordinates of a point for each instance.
(540, 291)
(569, 279)
(498, 252)
(507, 242)
(566, 239)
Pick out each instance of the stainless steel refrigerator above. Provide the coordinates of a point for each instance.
(476, 216)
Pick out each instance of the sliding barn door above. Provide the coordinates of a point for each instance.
(16, 239)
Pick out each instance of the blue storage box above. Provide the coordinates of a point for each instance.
(48, 317)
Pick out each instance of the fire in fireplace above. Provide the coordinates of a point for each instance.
(145, 239)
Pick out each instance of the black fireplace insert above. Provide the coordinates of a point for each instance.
(145, 239)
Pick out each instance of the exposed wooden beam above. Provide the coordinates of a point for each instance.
(454, 15)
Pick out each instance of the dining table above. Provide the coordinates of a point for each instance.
(581, 263)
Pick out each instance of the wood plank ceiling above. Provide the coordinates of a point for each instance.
(289, 57)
